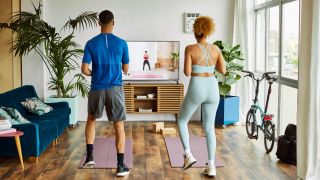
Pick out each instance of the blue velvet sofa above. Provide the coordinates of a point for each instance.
(41, 132)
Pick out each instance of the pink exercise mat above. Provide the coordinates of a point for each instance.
(105, 153)
(198, 148)
(147, 76)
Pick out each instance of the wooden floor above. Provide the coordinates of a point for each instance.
(243, 158)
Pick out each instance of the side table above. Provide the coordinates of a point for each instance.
(16, 136)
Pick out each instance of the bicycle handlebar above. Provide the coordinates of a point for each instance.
(264, 75)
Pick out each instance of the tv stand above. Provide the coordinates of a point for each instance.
(167, 98)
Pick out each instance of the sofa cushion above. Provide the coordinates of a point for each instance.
(5, 115)
(21, 94)
(15, 114)
(36, 106)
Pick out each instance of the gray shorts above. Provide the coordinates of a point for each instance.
(112, 99)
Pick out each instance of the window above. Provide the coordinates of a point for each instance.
(260, 2)
(260, 41)
(273, 39)
(290, 40)
(289, 99)
(276, 45)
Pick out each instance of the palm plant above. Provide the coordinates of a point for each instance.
(58, 53)
(232, 60)
(175, 59)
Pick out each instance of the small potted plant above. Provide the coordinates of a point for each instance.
(58, 53)
(175, 60)
(228, 109)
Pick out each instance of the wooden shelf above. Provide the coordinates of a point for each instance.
(168, 98)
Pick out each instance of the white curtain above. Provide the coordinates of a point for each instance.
(313, 132)
(243, 30)
(308, 134)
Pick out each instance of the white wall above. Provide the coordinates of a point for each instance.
(144, 20)
(32, 66)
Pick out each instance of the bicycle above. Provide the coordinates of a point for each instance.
(267, 126)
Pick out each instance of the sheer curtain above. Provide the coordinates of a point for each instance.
(313, 157)
(309, 92)
(243, 28)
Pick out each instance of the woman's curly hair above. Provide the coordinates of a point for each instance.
(203, 26)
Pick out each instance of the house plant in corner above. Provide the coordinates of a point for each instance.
(228, 109)
(59, 53)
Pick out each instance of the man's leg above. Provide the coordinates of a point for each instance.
(90, 136)
(120, 140)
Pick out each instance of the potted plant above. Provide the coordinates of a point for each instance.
(175, 60)
(228, 109)
(59, 53)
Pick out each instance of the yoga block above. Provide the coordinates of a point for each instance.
(168, 131)
(158, 126)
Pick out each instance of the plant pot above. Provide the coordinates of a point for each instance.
(228, 110)
(73, 104)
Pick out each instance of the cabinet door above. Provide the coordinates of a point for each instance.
(169, 98)
(129, 98)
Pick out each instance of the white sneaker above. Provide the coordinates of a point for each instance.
(210, 171)
(89, 164)
(189, 160)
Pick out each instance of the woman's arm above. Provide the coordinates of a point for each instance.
(220, 67)
(187, 62)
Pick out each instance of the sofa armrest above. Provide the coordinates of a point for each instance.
(30, 140)
(58, 104)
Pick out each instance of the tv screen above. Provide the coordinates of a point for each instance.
(153, 60)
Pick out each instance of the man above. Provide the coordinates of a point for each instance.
(109, 56)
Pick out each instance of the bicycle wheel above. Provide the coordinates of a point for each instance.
(269, 133)
(251, 123)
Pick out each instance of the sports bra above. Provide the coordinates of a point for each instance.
(206, 55)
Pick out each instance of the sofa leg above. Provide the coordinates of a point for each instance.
(67, 129)
(56, 141)
(34, 159)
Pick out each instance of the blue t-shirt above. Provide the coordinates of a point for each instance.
(107, 53)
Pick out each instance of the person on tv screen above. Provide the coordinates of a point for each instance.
(146, 59)
(109, 57)
(201, 60)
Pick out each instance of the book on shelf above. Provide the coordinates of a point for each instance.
(145, 109)
(5, 126)
(10, 130)
(141, 97)
(4, 121)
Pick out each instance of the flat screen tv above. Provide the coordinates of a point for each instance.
(153, 60)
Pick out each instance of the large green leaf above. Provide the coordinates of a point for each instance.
(224, 89)
(233, 58)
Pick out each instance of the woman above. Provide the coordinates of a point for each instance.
(201, 60)
(146, 60)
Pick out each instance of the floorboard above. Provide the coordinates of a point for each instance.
(244, 158)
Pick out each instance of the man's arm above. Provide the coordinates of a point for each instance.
(125, 68)
(85, 69)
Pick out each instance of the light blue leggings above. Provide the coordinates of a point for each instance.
(202, 91)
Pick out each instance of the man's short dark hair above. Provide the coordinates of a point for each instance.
(145, 51)
(106, 16)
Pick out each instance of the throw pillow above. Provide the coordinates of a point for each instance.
(36, 106)
(16, 117)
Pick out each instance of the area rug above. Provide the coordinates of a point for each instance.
(198, 149)
(105, 153)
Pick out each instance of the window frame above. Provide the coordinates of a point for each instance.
(281, 80)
